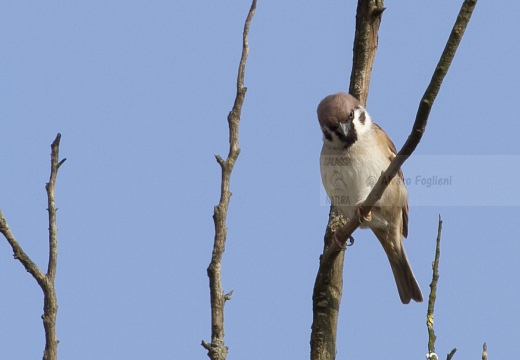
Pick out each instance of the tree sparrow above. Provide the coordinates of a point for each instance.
(355, 153)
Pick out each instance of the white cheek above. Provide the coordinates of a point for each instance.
(365, 128)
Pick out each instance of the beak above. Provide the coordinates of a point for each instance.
(344, 127)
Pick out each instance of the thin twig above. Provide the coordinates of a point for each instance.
(46, 281)
(216, 349)
(433, 291)
(51, 207)
(18, 252)
(450, 355)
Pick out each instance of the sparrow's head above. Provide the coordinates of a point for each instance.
(342, 119)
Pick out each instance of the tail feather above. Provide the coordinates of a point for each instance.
(405, 280)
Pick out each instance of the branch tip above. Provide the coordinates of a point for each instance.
(450, 355)
(228, 295)
(220, 160)
(56, 141)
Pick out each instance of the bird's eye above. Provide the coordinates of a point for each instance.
(351, 116)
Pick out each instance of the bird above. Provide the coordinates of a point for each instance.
(355, 153)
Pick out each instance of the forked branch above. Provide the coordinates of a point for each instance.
(46, 281)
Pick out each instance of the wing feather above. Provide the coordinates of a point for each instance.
(392, 152)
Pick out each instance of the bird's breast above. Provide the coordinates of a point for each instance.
(348, 179)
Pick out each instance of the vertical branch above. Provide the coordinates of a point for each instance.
(216, 349)
(368, 19)
(326, 297)
(328, 286)
(46, 281)
(433, 291)
(50, 302)
(51, 207)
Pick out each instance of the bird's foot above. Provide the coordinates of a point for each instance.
(338, 242)
(362, 217)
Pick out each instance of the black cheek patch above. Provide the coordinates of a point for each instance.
(362, 118)
(351, 138)
(327, 134)
(348, 139)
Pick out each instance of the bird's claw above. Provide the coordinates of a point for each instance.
(340, 245)
(362, 217)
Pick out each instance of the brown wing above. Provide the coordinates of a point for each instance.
(391, 156)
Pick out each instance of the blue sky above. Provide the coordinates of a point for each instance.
(140, 92)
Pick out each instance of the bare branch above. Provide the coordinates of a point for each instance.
(216, 349)
(51, 207)
(18, 252)
(46, 281)
(368, 19)
(326, 298)
(50, 305)
(328, 287)
(450, 355)
(433, 291)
